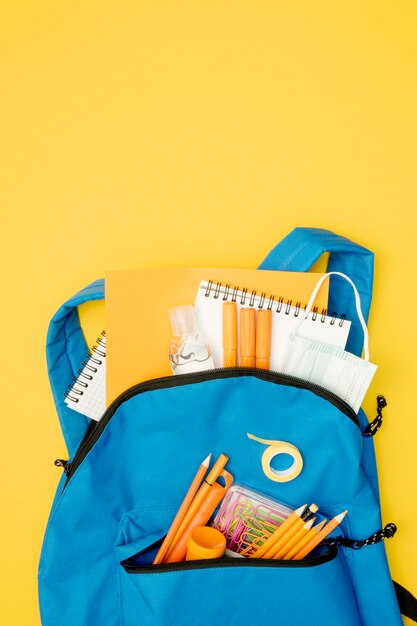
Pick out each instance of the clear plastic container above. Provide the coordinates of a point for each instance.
(189, 350)
(247, 518)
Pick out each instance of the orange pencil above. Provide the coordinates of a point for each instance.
(304, 541)
(295, 515)
(247, 337)
(215, 495)
(183, 509)
(263, 338)
(301, 532)
(290, 532)
(320, 536)
(199, 497)
(229, 334)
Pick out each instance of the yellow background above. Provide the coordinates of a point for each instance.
(158, 133)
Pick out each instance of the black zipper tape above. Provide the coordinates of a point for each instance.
(96, 429)
(312, 561)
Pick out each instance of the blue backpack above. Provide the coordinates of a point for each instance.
(126, 476)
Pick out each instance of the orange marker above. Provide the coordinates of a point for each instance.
(301, 532)
(295, 515)
(247, 337)
(229, 334)
(200, 496)
(263, 338)
(215, 495)
(304, 541)
(183, 509)
(320, 536)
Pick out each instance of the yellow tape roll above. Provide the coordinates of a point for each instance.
(275, 448)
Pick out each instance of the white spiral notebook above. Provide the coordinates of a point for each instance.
(87, 393)
(208, 305)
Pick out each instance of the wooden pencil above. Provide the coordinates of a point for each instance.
(301, 532)
(290, 532)
(183, 509)
(304, 541)
(295, 515)
(320, 536)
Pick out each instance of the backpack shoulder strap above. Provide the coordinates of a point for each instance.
(406, 601)
(299, 250)
(65, 350)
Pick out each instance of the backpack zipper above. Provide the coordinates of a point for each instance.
(96, 429)
(309, 561)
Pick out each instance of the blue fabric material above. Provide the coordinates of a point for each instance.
(66, 348)
(299, 250)
(126, 491)
(124, 494)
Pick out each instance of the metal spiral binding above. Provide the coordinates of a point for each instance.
(214, 289)
(88, 364)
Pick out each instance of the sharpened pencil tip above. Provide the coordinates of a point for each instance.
(206, 461)
(340, 516)
(300, 510)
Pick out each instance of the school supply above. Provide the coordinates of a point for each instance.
(301, 532)
(189, 350)
(275, 448)
(322, 534)
(127, 473)
(183, 510)
(137, 326)
(205, 542)
(284, 538)
(286, 316)
(343, 373)
(87, 394)
(303, 541)
(263, 338)
(270, 542)
(209, 482)
(229, 334)
(247, 518)
(214, 496)
(247, 337)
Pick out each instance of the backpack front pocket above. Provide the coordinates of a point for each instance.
(238, 591)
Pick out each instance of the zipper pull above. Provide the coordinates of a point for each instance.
(62, 463)
(376, 424)
(385, 533)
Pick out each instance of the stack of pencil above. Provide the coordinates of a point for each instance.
(203, 496)
(297, 537)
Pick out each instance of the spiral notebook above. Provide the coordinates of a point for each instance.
(138, 330)
(87, 393)
(286, 316)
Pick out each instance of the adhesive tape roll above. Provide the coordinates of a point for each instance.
(274, 449)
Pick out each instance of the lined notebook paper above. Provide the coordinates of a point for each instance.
(286, 316)
(87, 394)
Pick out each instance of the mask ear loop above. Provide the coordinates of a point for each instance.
(358, 308)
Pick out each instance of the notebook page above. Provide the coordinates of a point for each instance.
(88, 393)
(209, 314)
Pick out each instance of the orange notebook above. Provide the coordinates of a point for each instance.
(138, 330)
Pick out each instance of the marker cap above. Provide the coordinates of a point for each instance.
(205, 542)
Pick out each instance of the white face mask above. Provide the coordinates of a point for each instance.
(341, 372)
